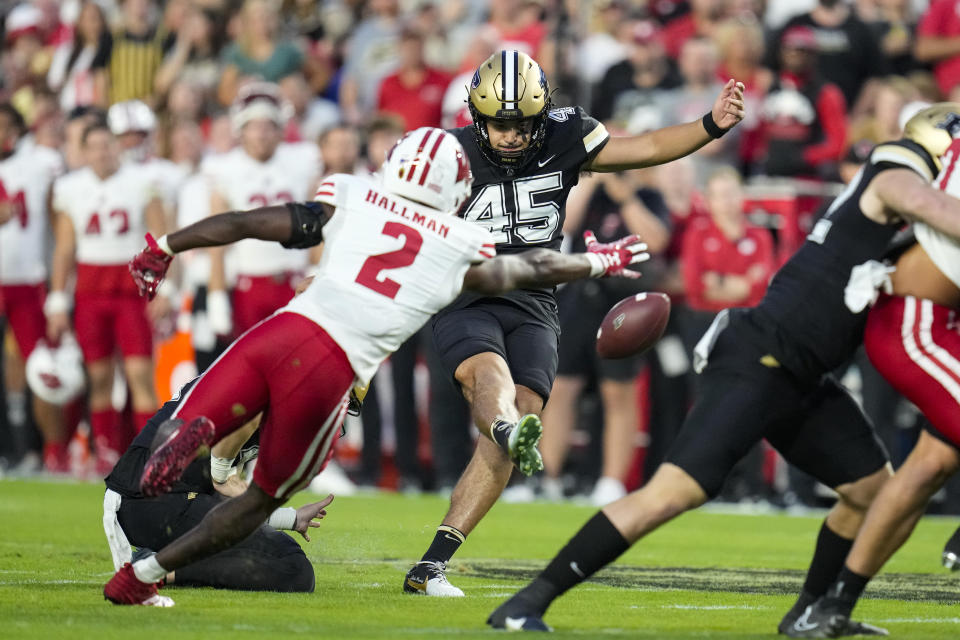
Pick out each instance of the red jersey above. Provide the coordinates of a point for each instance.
(942, 20)
(420, 105)
(706, 249)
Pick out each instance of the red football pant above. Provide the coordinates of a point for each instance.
(23, 306)
(256, 297)
(290, 369)
(915, 345)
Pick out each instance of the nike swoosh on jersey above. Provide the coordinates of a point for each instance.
(543, 162)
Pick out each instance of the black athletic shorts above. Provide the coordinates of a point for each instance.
(744, 396)
(583, 304)
(526, 341)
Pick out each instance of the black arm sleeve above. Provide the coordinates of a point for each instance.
(306, 220)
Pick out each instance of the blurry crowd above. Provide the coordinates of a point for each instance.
(213, 105)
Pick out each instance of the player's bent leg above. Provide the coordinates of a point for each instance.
(223, 527)
(489, 389)
(267, 560)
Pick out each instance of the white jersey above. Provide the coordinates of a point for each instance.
(288, 176)
(388, 265)
(167, 176)
(26, 177)
(944, 250)
(108, 215)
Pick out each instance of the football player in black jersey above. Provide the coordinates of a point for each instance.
(267, 560)
(766, 375)
(502, 351)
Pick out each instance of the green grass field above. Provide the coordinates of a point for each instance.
(707, 575)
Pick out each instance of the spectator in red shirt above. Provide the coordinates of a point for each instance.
(415, 91)
(938, 42)
(726, 261)
(701, 21)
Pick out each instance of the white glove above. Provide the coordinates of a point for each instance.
(218, 312)
(865, 283)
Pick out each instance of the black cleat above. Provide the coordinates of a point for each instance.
(824, 621)
(516, 615)
(804, 601)
(951, 552)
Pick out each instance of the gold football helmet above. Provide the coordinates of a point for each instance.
(935, 128)
(509, 85)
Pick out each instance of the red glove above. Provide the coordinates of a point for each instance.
(615, 257)
(149, 267)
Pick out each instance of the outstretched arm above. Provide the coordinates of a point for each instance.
(546, 267)
(663, 145)
(295, 225)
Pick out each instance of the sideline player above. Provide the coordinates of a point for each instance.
(502, 350)
(393, 256)
(267, 560)
(262, 171)
(765, 375)
(911, 338)
(101, 211)
(26, 173)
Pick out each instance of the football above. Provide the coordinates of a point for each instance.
(633, 325)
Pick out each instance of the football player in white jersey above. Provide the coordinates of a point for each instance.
(101, 211)
(394, 255)
(134, 124)
(262, 171)
(912, 339)
(26, 174)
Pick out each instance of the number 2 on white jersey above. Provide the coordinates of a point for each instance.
(375, 265)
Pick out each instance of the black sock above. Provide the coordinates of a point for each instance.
(597, 544)
(445, 543)
(828, 559)
(847, 590)
(500, 430)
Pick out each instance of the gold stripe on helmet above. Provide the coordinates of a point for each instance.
(509, 85)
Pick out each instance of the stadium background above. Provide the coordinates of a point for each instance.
(824, 80)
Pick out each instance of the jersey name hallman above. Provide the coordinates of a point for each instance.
(390, 205)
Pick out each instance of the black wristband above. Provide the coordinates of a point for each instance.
(711, 126)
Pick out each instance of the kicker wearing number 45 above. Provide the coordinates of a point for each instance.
(502, 350)
(393, 256)
(765, 375)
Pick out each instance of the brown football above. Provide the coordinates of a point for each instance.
(633, 325)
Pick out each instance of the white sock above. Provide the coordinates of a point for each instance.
(149, 570)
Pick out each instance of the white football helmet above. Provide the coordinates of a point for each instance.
(259, 100)
(55, 375)
(429, 166)
(131, 116)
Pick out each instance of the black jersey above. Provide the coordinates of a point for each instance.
(525, 209)
(807, 322)
(125, 476)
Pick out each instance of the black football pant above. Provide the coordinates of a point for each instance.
(268, 560)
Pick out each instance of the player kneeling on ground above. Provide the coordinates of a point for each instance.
(267, 560)
(394, 255)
